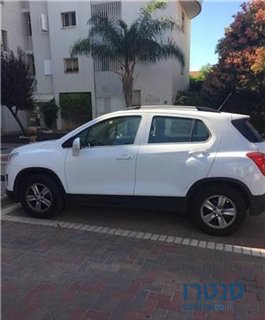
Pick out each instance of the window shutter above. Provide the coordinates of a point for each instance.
(47, 67)
(44, 22)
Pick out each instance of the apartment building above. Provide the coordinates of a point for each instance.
(47, 29)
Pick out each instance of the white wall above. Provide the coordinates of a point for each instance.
(9, 124)
(41, 47)
(61, 39)
(13, 21)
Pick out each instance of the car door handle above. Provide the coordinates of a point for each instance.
(198, 153)
(125, 157)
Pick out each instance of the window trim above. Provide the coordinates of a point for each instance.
(68, 143)
(179, 142)
(63, 19)
(72, 70)
(6, 47)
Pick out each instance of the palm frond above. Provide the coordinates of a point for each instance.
(81, 47)
(154, 5)
(106, 29)
(101, 50)
(171, 50)
(142, 41)
(151, 52)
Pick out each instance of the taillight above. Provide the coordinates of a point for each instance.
(259, 159)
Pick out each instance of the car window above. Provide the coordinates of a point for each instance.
(200, 132)
(247, 130)
(176, 129)
(110, 132)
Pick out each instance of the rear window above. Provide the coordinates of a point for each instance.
(247, 130)
(174, 129)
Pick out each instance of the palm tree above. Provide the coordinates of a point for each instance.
(140, 43)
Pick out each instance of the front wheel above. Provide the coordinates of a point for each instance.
(41, 197)
(219, 210)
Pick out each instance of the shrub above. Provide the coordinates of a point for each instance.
(50, 110)
(76, 107)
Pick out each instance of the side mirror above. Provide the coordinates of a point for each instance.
(76, 147)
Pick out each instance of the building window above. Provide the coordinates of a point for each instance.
(28, 24)
(4, 40)
(68, 19)
(112, 10)
(183, 21)
(71, 65)
(106, 64)
(31, 62)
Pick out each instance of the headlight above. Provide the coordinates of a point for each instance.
(12, 156)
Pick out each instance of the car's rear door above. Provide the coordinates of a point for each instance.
(178, 152)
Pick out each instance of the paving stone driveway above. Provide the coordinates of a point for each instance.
(53, 273)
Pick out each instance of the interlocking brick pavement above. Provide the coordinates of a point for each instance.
(53, 273)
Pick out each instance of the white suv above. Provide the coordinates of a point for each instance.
(207, 163)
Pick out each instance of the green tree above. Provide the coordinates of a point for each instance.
(128, 45)
(241, 64)
(16, 84)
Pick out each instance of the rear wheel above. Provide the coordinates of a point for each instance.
(41, 197)
(219, 210)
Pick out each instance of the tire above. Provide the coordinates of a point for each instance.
(41, 196)
(219, 210)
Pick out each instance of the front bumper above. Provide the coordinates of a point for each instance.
(257, 204)
(12, 195)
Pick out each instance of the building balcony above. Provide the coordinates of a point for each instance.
(192, 7)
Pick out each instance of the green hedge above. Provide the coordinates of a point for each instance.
(50, 110)
(76, 107)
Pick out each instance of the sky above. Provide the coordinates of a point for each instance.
(207, 28)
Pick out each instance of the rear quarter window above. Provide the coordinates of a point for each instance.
(247, 130)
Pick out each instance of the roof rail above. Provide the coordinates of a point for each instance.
(157, 106)
(173, 107)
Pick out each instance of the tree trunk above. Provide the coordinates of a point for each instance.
(18, 121)
(127, 84)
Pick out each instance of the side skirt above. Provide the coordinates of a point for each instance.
(176, 204)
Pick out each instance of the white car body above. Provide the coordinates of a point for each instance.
(142, 169)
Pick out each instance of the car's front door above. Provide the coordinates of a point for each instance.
(106, 162)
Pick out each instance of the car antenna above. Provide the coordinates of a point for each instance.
(227, 98)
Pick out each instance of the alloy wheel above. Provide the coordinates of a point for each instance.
(39, 197)
(218, 212)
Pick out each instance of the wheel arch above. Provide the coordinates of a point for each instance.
(211, 182)
(25, 173)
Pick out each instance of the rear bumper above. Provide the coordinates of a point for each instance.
(257, 204)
